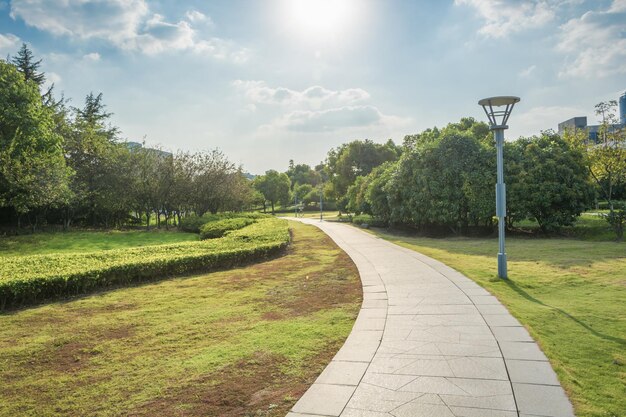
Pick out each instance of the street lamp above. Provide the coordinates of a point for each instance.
(321, 209)
(497, 123)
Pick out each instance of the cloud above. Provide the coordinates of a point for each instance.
(595, 43)
(8, 43)
(127, 24)
(92, 57)
(525, 73)
(314, 97)
(334, 119)
(503, 17)
(195, 16)
(330, 120)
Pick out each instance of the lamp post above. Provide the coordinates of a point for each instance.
(497, 123)
(321, 209)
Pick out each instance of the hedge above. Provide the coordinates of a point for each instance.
(193, 223)
(26, 280)
(218, 228)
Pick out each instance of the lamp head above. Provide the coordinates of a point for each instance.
(498, 116)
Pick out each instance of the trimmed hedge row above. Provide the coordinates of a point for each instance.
(27, 280)
(193, 223)
(213, 230)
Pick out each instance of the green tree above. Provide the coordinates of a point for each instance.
(33, 173)
(606, 161)
(274, 186)
(303, 174)
(25, 63)
(550, 183)
(354, 159)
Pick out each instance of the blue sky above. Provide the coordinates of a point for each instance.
(273, 80)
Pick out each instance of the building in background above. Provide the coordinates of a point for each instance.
(581, 122)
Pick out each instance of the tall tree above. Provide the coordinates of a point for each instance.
(274, 186)
(33, 173)
(28, 66)
(606, 161)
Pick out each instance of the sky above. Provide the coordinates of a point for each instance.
(267, 81)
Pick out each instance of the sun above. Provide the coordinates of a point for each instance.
(323, 20)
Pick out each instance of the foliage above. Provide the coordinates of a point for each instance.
(616, 217)
(30, 279)
(444, 182)
(25, 63)
(303, 174)
(33, 174)
(547, 181)
(218, 228)
(193, 222)
(368, 220)
(274, 186)
(61, 164)
(354, 159)
(605, 159)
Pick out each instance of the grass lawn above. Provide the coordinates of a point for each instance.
(247, 341)
(88, 241)
(569, 293)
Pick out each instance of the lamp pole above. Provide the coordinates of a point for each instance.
(497, 123)
(321, 208)
(500, 201)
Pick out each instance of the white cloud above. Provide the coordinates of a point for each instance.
(618, 6)
(8, 44)
(127, 24)
(314, 97)
(331, 119)
(316, 109)
(595, 43)
(195, 16)
(526, 72)
(503, 17)
(92, 57)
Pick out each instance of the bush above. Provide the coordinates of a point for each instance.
(218, 228)
(30, 279)
(366, 219)
(194, 223)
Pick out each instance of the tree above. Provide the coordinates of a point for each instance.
(550, 182)
(274, 186)
(605, 161)
(354, 159)
(33, 173)
(26, 64)
(303, 174)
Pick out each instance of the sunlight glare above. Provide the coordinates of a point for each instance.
(320, 19)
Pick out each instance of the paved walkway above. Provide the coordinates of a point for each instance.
(428, 342)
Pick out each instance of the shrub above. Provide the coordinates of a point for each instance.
(218, 228)
(366, 219)
(194, 223)
(30, 279)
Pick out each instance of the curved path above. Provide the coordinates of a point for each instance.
(428, 341)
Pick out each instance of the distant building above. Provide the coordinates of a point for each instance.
(581, 122)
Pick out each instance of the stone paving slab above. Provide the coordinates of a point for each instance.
(428, 342)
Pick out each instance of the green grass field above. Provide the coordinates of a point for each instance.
(88, 241)
(569, 293)
(247, 341)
